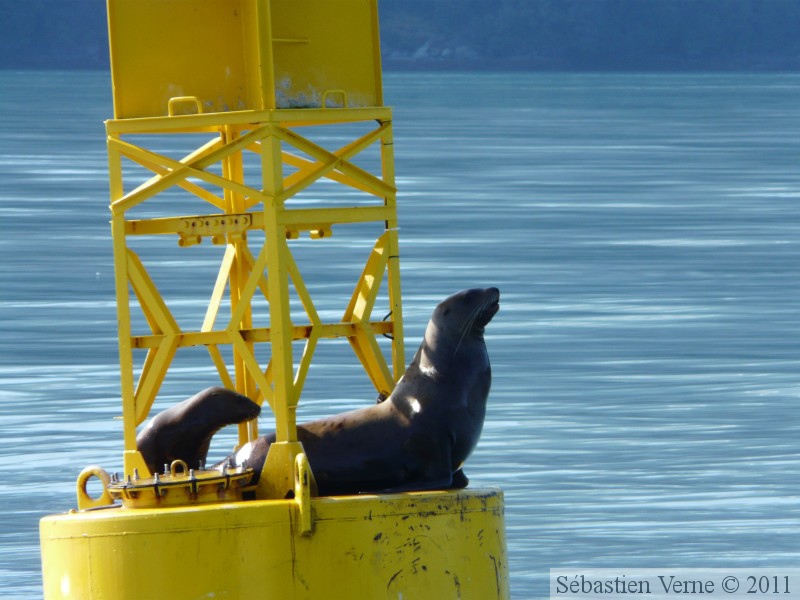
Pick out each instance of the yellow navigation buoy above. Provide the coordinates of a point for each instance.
(241, 80)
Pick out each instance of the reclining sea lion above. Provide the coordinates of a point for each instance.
(416, 439)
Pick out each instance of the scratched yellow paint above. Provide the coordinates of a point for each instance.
(422, 545)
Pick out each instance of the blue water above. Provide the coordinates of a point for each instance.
(644, 231)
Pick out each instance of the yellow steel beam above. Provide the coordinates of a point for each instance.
(188, 339)
(219, 289)
(269, 379)
(233, 170)
(366, 291)
(254, 369)
(133, 152)
(393, 253)
(247, 258)
(161, 322)
(152, 376)
(359, 311)
(310, 218)
(330, 161)
(304, 164)
(246, 119)
(301, 289)
(277, 253)
(298, 219)
(246, 290)
(212, 153)
(193, 188)
(369, 354)
(338, 160)
(153, 305)
(222, 369)
(313, 316)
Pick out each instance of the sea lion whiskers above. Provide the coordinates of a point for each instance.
(470, 321)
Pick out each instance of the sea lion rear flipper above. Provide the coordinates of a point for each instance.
(184, 431)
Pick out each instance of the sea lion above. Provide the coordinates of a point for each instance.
(184, 431)
(419, 437)
(416, 439)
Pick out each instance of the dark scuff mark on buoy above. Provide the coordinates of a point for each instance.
(393, 577)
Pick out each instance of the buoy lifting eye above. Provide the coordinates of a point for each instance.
(84, 499)
(178, 464)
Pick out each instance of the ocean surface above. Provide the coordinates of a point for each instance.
(644, 231)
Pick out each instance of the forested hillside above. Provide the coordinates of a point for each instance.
(496, 34)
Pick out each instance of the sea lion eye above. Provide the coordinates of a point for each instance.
(446, 311)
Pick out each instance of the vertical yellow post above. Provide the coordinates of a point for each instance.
(393, 261)
(233, 170)
(278, 481)
(132, 459)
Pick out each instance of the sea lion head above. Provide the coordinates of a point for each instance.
(462, 318)
(453, 346)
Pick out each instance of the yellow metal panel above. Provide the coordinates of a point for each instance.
(423, 545)
(326, 45)
(165, 49)
(236, 55)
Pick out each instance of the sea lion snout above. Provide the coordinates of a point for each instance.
(476, 306)
(490, 307)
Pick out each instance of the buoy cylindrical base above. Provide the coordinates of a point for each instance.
(418, 545)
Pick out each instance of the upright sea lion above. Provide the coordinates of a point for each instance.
(184, 431)
(420, 436)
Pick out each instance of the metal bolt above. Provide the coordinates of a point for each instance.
(166, 468)
(136, 473)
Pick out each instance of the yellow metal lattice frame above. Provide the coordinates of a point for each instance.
(268, 270)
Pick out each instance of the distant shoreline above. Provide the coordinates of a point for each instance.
(482, 35)
(759, 65)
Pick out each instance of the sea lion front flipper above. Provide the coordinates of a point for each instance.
(184, 431)
(460, 480)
